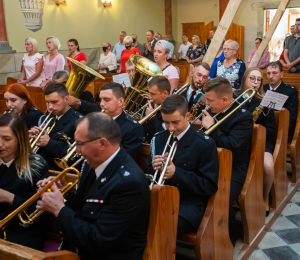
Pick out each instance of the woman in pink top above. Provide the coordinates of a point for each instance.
(53, 62)
(265, 57)
(75, 53)
(33, 63)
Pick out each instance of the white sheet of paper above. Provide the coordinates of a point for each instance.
(122, 78)
(277, 100)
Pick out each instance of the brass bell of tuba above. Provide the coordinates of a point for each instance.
(81, 75)
(136, 96)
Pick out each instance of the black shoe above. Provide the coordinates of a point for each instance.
(268, 212)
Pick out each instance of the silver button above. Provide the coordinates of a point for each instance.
(92, 213)
(122, 167)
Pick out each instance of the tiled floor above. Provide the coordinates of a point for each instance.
(282, 242)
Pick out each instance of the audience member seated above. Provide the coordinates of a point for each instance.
(231, 68)
(161, 52)
(265, 57)
(194, 170)
(253, 79)
(119, 47)
(159, 88)
(75, 53)
(158, 36)
(277, 50)
(19, 101)
(275, 75)
(130, 69)
(149, 45)
(136, 44)
(220, 56)
(171, 46)
(208, 41)
(196, 51)
(33, 63)
(183, 48)
(125, 55)
(292, 50)
(53, 62)
(108, 60)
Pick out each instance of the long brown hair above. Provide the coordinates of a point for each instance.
(243, 83)
(20, 91)
(21, 160)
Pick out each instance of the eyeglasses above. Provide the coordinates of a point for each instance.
(253, 79)
(204, 77)
(89, 141)
(227, 49)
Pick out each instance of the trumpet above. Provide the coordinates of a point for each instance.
(37, 213)
(45, 127)
(71, 155)
(171, 154)
(200, 115)
(178, 92)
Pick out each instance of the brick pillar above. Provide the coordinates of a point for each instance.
(4, 44)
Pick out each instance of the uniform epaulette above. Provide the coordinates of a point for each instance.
(124, 173)
(130, 119)
(161, 132)
(289, 86)
(201, 134)
(77, 114)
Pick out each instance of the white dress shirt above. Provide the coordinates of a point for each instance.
(189, 93)
(115, 117)
(7, 164)
(102, 166)
(274, 88)
(183, 49)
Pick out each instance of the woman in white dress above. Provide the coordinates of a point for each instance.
(277, 50)
(108, 60)
(33, 62)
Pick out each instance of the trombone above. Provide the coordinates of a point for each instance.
(171, 154)
(45, 127)
(47, 188)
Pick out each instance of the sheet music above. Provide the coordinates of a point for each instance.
(122, 78)
(274, 100)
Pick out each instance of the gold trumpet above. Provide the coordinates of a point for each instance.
(45, 127)
(171, 154)
(178, 92)
(70, 156)
(47, 188)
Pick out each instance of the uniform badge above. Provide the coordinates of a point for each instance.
(126, 173)
(134, 121)
(243, 110)
(94, 201)
(103, 179)
(206, 137)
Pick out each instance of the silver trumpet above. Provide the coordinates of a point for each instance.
(8, 111)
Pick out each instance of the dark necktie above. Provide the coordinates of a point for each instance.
(90, 181)
(191, 101)
(3, 170)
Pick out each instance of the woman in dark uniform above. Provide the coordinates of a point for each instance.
(20, 170)
(18, 99)
(253, 78)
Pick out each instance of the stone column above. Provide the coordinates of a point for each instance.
(4, 44)
(168, 20)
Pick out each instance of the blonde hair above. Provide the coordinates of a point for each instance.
(128, 39)
(34, 44)
(55, 41)
(234, 44)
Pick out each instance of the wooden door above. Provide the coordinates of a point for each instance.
(191, 29)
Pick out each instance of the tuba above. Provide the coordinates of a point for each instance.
(81, 75)
(47, 188)
(137, 94)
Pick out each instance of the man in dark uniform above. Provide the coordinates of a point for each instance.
(199, 77)
(234, 134)
(159, 88)
(52, 145)
(275, 75)
(194, 169)
(107, 218)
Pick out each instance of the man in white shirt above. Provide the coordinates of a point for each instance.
(119, 47)
(183, 48)
(165, 37)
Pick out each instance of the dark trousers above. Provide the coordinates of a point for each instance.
(184, 227)
(235, 190)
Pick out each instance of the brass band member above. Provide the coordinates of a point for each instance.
(253, 78)
(52, 145)
(195, 167)
(108, 216)
(19, 172)
(235, 134)
(159, 88)
(19, 101)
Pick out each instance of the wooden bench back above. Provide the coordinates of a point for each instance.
(162, 229)
(294, 147)
(251, 197)
(11, 251)
(280, 185)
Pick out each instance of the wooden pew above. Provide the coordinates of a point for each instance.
(10, 80)
(143, 156)
(211, 242)
(280, 186)
(162, 229)
(11, 251)
(251, 198)
(98, 83)
(294, 148)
